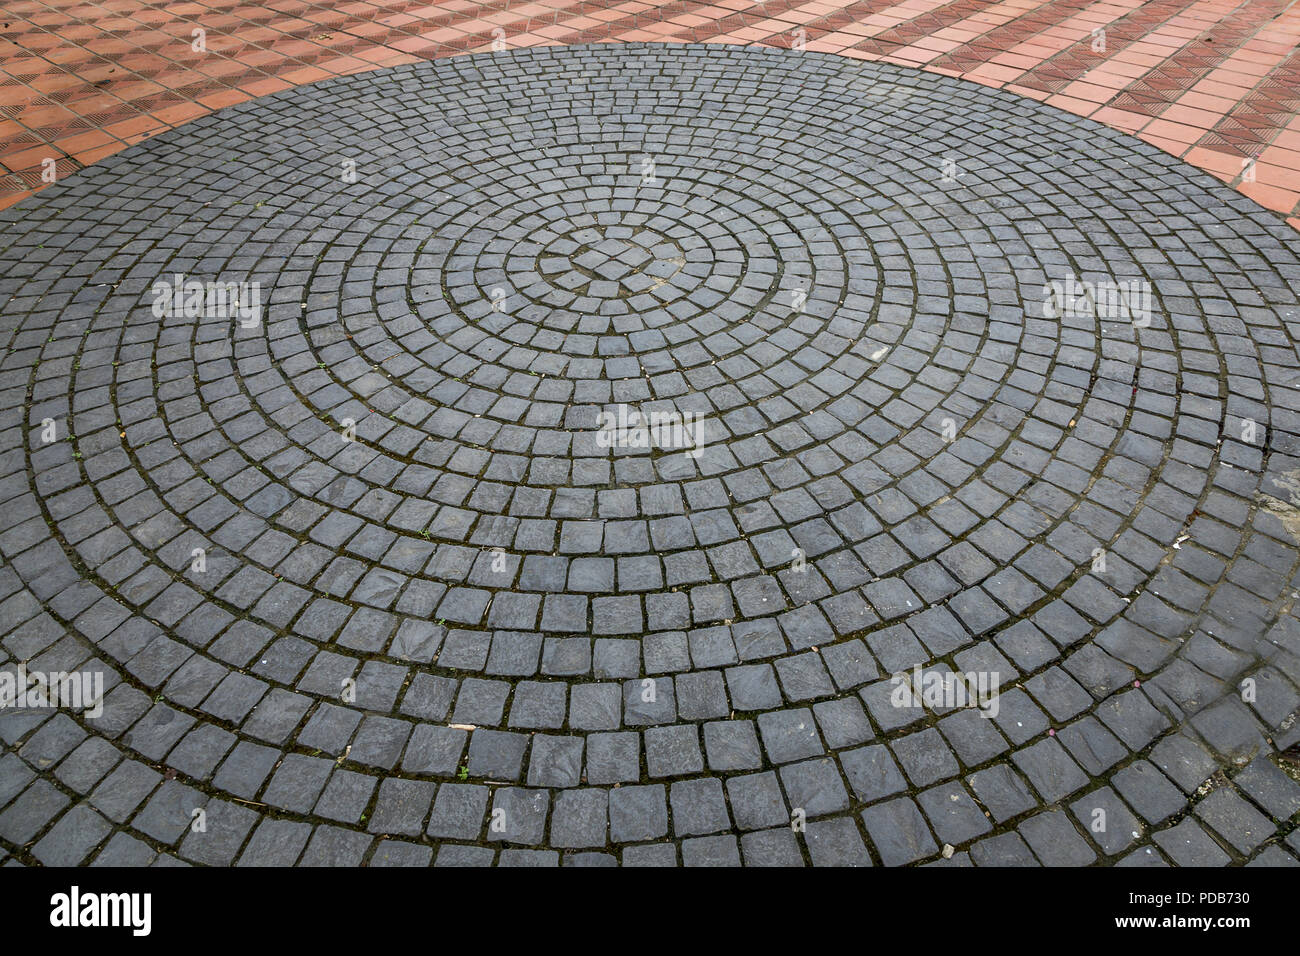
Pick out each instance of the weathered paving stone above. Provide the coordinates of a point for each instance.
(898, 831)
(453, 855)
(1148, 791)
(973, 738)
(346, 796)
(637, 813)
(836, 842)
(673, 751)
(789, 735)
(71, 839)
(1005, 849)
(1054, 840)
(298, 782)
(225, 825)
(244, 769)
(771, 848)
(518, 816)
(1050, 769)
(170, 812)
(843, 722)
(1108, 821)
(652, 854)
(953, 814)
(275, 843)
(334, 846)
(1272, 856)
(124, 850)
(1235, 820)
(401, 807)
(399, 853)
(613, 758)
(81, 770)
(1268, 786)
(594, 707)
(872, 773)
(438, 619)
(495, 755)
(815, 787)
(1002, 791)
(580, 818)
(756, 801)
(459, 811)
(555, 761)
(15, 775)
(732, 745)
(436, 750)
(925, 757)
(698, 807)
(1189, 845)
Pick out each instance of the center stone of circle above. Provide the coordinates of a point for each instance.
(609, 263)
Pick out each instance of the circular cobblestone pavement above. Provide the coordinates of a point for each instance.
(366, 583)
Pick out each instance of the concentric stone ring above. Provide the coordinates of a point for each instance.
(614, 262)
(976, 394)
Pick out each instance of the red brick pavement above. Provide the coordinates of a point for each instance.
(1215, 82)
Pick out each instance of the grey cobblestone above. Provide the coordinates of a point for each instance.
(470, 633)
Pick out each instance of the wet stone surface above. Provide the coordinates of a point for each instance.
(366, 585)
